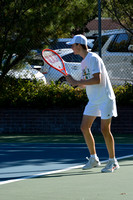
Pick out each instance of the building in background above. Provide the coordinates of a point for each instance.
(106, 24)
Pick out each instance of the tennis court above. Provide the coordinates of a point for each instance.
(53, 171)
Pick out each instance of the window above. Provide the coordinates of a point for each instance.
(104, 39)
(120, 43)
(131, 41)
(72, 58)
(36, 62)
(59, 45)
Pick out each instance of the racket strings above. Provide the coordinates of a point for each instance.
(54, 60)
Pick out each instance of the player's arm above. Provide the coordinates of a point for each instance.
(95, 80)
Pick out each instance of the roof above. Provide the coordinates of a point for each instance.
(106, 24)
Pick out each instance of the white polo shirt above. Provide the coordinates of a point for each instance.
(97, 93)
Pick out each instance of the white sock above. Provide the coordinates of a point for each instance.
(94, 156)
(112, 159)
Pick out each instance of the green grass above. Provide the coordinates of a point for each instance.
(61, 138)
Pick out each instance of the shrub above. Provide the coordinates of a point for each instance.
(24, 93)
(17, 92)
(124, 94)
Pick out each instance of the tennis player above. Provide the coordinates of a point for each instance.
(101, 102)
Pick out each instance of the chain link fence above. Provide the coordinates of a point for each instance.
(106, 37)
(116, 52)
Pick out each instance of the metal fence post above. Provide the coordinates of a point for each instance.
(99, 27)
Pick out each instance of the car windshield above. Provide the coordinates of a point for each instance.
(120, 43)
(59, 45)
(72, 58)
(96, 47)
(36, 62)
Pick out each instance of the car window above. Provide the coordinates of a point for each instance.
(120, 43)
(36, 62)
(72, 58)
(59, 45)
(96, 47)
(131, 41)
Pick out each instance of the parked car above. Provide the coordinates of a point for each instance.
(71, 61)
(61, 43)
(117, 54)
(27, 73)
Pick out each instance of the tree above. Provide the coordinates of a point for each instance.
(25, 24)
(120, 10)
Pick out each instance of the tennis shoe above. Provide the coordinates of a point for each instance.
(111, 166)
(92, 162)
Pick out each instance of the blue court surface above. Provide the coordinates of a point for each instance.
(21, 160)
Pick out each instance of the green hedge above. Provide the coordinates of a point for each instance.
(24, 93)
(124, 94)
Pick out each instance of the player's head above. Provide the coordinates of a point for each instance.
(80, 41)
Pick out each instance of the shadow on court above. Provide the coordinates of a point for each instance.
(46, 171)
(70, 173)
(75, 184)
(20, 160)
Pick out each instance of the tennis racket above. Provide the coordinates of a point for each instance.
(54, 60)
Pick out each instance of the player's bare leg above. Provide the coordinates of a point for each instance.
(108, 137)
(109, 140)
(86, 124)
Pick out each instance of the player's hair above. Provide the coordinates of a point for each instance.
(83, 46)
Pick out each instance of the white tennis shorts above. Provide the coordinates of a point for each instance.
(105, 110)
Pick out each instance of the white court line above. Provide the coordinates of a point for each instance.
(41, 174)
(56, 171)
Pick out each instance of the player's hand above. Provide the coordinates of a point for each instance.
(70, 80)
